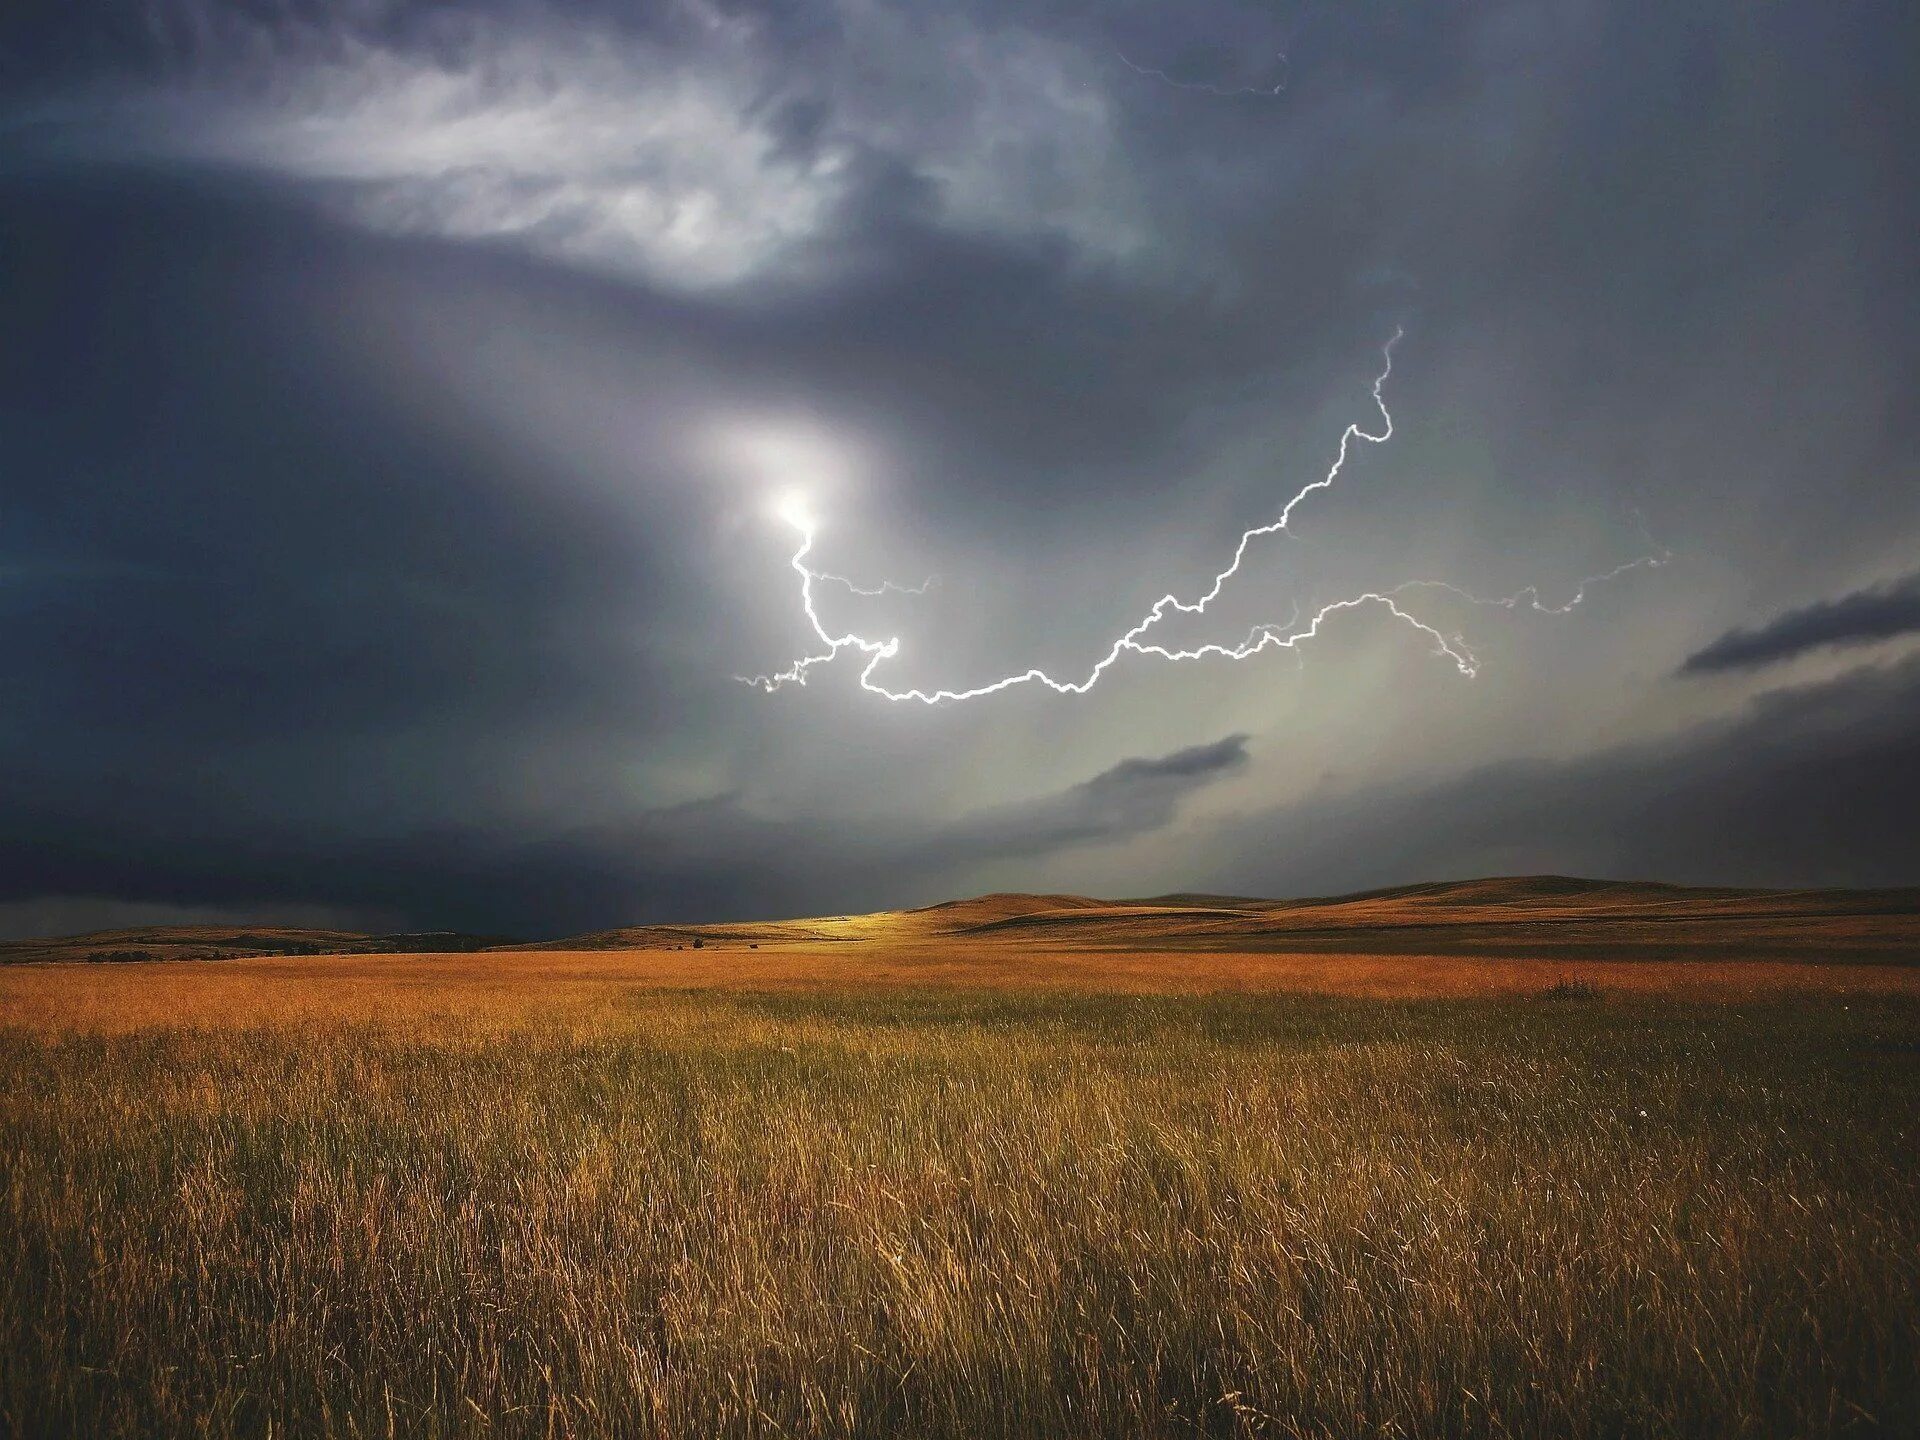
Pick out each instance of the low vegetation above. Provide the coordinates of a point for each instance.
(969, 1214)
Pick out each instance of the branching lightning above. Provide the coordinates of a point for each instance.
(885, 587)
(1288, 636)
(1656, 556)
(1530, 594)
(1206, 87)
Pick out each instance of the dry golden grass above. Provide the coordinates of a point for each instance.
(517, 985)
(436, 1198)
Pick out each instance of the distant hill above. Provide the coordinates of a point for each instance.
(1507, 916)
(949, 917)
(1502, 915)
(228, 942)
(1550, 916)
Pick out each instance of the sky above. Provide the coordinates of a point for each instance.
(405, 409)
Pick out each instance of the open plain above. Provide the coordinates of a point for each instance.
(1521, 1157)
(1486, 938)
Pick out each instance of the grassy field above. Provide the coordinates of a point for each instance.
(958, 1213)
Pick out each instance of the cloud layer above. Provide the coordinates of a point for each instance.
(396, 396)
(1809, 785)
(700, 146)
(1879, 612)
(709, 859)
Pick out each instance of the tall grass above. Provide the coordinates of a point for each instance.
(968, 1215)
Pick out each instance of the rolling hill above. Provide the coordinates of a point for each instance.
(1524, 917)
(1543, 915)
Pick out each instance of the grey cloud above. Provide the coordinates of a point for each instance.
(1808, 785)
(371, 568)
(687, 148)
(1879, 612)
(709, 859)
(1133, 797)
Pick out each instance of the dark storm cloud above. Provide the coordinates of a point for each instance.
(1810, 785)
(357, 548)
(1133, 797)
(711, 859)
(1879, 612)
(215, 534)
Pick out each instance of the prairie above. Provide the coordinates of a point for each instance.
(942, 1186)
(1474, 939)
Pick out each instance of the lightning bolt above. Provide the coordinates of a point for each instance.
(1530, 594)
(1288, 636)
(885, 587)
(1207, 87)
(1657, 556)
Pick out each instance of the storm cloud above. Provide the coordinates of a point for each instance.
(1134, 797)
(1813, 784)
(1879, 612)
(397, 401)
(709, 859)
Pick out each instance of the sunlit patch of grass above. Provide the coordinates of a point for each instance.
(967, 1213)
